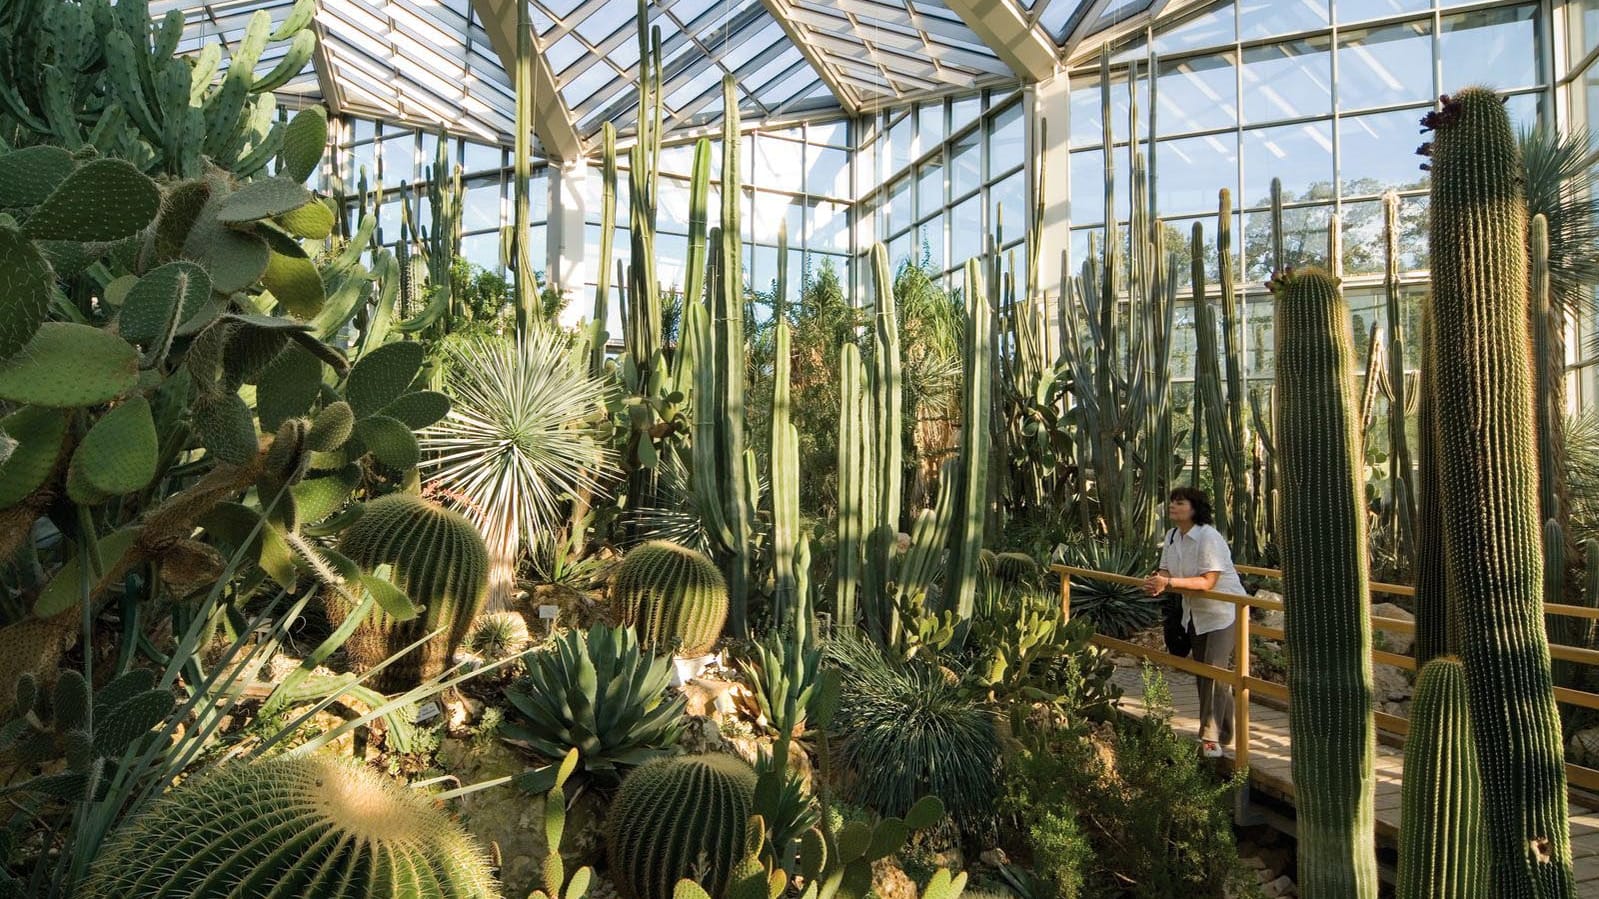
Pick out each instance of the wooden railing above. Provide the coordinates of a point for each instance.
(1244, 684)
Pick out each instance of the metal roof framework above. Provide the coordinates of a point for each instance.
(446, 63)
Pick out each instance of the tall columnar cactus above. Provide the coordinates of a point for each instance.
(292, 826)
(1328, 621)
(674, 597)
(1443, 851)
(439, 560)
(783, 456)
(882, 506)
(1402, 506)
(966, 538)
(1435, 620)
(677, 817)
(1488, 472)
(854, 482)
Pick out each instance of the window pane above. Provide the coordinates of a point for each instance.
(1191, 170)
(899, 251)
(1209, 29)
(930, 118)
(827, 171)
(966, 164)
(1086, 127)
(480, 205)
(1287, 81)
(1373, 152)
(1385, 66)
(1491, 46)
(1267, 18)
(1087, 174)
(1527, 110)
(899, 204)
(967, 237)
(481, 157)
(963, 110)
(1007, 147)
(1361, 10)
(362, 161)
(829, 231)
(930, 243)
(399, 158)
(929, 187)
(1008, 207)
(1301, 155)
(901, 140)
(1198, 94)
(834, 134)
(778, 163)
(1304, 240)
(482, 249)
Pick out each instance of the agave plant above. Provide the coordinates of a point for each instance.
(598, 693)
(1117, 610)
(521, 437)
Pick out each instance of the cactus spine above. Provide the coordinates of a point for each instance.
(1443, 852)
(1488, 473)
(675, 598)
(1328, 621)
(676, 816)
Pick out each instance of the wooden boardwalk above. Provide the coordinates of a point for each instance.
(1269, 766)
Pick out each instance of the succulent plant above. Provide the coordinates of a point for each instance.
(1443, 850)
(1327, 598)
(677, 817)
(596, 692)
(439, 560)
(291, 826)
(1016, 568)
(674, 597)
(498, 635)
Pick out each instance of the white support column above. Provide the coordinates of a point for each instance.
(565, 238)
(1049, 171)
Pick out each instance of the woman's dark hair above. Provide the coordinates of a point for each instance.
(1203, 513)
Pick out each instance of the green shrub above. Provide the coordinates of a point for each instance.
(1145, 819)
(596, 692)
(911, 730)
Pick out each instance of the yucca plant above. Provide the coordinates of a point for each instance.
(906, 731)
(599, 693)
(1117, 610)
(519, 439)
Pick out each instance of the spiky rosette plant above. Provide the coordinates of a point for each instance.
(309, 826)
(1443, 851)
(1488, 473)
(439, 560)
(1327, 621)
(674, 597)
(520, 437)
(676, 818)
(498, 635)
(1116, 610)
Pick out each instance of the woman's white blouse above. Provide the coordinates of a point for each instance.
(1203, 549)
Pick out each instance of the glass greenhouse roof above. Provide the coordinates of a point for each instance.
(433, 62)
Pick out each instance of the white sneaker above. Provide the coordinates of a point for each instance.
(1210, 749)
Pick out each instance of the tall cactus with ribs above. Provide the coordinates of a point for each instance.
(1488, 474)
(1328, 623)
(1223, 411)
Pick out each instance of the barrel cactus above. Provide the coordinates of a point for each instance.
(1443, 851)
(439, 560)
(1016, 568)
(1327, 615)
(677, 818)
(292, 826)
(674, 597)
(1487, 461)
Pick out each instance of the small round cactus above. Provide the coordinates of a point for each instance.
(673, 596)
(1016, 568)
(676, 818)
(498, 635)
(439, 560)
(292, 826)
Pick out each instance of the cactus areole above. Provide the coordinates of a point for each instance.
(1488, 476)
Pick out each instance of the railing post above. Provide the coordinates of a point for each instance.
(1065, 596)
(1241, 692)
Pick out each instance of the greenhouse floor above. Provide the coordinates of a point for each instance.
(1271, 754)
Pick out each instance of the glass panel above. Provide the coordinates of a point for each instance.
(1361, 10)
(778, 163)
(930, 118)
(930, 243)
(1287, 81)
(1191, 170)
(963, 110)
(1372, 152)
(1301, 155)
(482, 249)
(1363, 240)
(1268, 18)
(899, 204)
(1304, 240)
(833, 134)
(1491, 46)
(901, 144)
(1209, 29)
(1582, 22)
(1008, 207)
(481, 157)
(1087, 131)
(827, 171)
(829, 230)
(362, 129)
(480, 205)
(1198, 94)
(1007, 146)
(399, 158)
(967, 237)
(929, 187)
(1385, 66)
(966, 164)
(362, 159)
(1526, 110)
(1087, 197)
(899, 251)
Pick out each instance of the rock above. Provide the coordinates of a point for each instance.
(890, 882)
(702, 696)
(504, 815)
(1392, 641)
(702, 734)
(994, 857)
(1282, 886)
(1390, 684)
(1583, 748)
(1270, 617)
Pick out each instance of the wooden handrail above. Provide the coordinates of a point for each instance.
(1243, 682)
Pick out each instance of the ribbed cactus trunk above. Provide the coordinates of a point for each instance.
(783, 456)
(1443, 851)
(1328, 618)
(854, 447)
(1435, 630)
(966, 537)
(1488, 473)
(883, 504)
(738, 488)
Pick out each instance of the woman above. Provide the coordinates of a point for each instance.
(1194, 557)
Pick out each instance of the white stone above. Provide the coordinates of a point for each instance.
(1394, 642)
(1282, 886)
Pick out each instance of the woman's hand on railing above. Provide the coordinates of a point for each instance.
(1156, 584)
